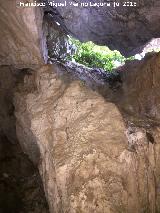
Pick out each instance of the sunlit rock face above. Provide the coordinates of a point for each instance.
(75, 140)
(122, 28)
(140, 89)
(57, 41)
(153, 45)
(90, 159)
(22, 41)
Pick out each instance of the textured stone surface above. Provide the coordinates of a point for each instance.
(140, 89)
(57, 41)
(21, 188)
(90, 161)
(122, 28)
(21, 37)
(96, 151)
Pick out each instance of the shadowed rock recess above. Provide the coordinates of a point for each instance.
(82, 139)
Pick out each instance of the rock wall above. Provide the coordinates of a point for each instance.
(22, 39)
(57, 41)
(140, 89)
(96, 142)
(21, 188)
(90, 159)
(22, 46)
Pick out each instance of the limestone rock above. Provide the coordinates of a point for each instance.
(21, 188)
(83, 147)
(96, 151)
(140, 95)
(22, 40)
(57, 41)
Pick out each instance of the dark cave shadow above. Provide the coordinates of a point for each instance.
(21, 188)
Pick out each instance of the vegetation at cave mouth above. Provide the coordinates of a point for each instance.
(94, 56)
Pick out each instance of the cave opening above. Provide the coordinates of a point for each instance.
(95, 56)
(66, 48)
(85, 164)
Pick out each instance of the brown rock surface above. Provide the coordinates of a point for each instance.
(21, 188)
(96, 150)
(22, 41)
(89, 160)
(140, 92)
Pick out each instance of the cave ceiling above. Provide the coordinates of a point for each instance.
(126, 29)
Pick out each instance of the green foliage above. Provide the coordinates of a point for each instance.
(94, 56)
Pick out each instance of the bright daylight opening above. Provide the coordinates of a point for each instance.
(95, 56)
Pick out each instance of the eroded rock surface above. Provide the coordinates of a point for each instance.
(90, 160)
(22, 39)
(96, 150)
(58, 44)
(21, 188)
(139, 95)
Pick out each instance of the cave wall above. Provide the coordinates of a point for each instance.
(21, 188)
(22, 47)
(140, 90)
(97, 150)
(22, 39)
(7, 119)
(92, 158)
(57, 41)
